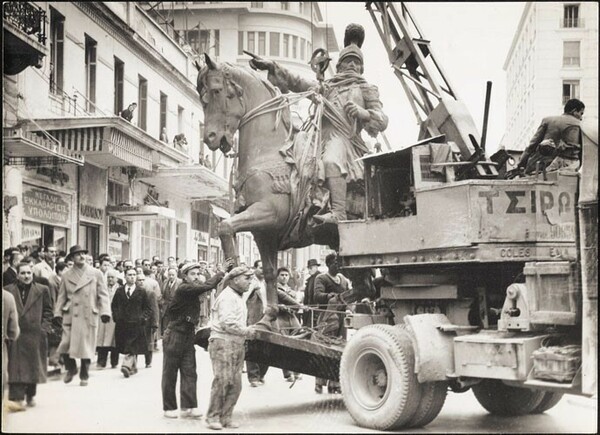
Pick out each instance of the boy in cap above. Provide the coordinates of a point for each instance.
(178, 342)
(226, 347)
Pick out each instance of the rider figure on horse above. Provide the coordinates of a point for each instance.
(356, 106)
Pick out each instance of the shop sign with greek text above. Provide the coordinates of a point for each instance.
(45, 206)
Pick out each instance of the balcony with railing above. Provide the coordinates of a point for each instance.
(24, 36)
(571, 23)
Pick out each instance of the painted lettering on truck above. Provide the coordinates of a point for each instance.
(523, 201)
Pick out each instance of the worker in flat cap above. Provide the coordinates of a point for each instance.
(178, 341)
(229, 332)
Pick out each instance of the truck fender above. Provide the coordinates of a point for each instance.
(434, 349)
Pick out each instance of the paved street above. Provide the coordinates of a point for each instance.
(112, 404)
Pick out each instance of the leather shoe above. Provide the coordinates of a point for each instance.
(83, 382)
(231, 424)
(191, 413)
(69, 377)
(254, 384)
(214, 425)
(319, 389)
(14, 406)
(171, 413)
(31, 402)
(125, 371)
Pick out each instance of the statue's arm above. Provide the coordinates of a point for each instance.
(287, 81)
(378, 120)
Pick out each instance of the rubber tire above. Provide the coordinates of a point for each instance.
(393, 348)
(549, 401)
(433, 397)
(501, 399)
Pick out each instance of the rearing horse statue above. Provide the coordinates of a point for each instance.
(228, 93)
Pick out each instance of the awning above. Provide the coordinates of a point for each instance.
(193, 183)
(140, 212)
(219, 212)
(109, 141)
(20, 145)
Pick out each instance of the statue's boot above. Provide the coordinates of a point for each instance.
(337, 194)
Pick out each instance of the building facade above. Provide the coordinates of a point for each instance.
(283, 31)
(553, 58)
(74, 170)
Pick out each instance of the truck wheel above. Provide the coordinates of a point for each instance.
(377, 376)
(433, 396)
(501, 399)
(549, 401)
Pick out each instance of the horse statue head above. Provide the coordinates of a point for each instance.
(222, 101)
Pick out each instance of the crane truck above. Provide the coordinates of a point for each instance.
(487, 284)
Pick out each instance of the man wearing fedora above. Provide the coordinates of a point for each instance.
(178, 342)
(310, 316)
(82, 298)
(226, 347)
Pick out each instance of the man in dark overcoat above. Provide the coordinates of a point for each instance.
(27, 354)
(152, 324)
(310, 316)
(131, 311)
(10, 274)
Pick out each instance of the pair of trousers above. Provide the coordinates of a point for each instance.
(256, 372)
(17, 391)
(179, 356)
(227, 359)
(71, 366)
(130, 363)
(103, 356)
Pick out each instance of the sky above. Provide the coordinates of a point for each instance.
(470, 42)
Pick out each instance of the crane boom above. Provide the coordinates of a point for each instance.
(430, 94)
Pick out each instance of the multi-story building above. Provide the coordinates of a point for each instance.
(553, 57)
(283, 31)
(74, 170)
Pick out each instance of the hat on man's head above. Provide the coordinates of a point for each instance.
(312, 262)
(74, 250)
(189, 266)
(237, 271)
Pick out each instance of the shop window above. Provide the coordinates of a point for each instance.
(90, 73)
(34, 234)
(274, 44)
(204, 41)
(156, 238)
(57, 36)
(200, 221)
(142, 103)
(119, 76)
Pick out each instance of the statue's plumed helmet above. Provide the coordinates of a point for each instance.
(353, 40)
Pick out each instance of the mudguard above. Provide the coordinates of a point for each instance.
(434, 349)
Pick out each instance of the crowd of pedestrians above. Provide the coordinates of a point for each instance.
(61, 310)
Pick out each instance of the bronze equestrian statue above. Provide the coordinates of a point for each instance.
(238, 99)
